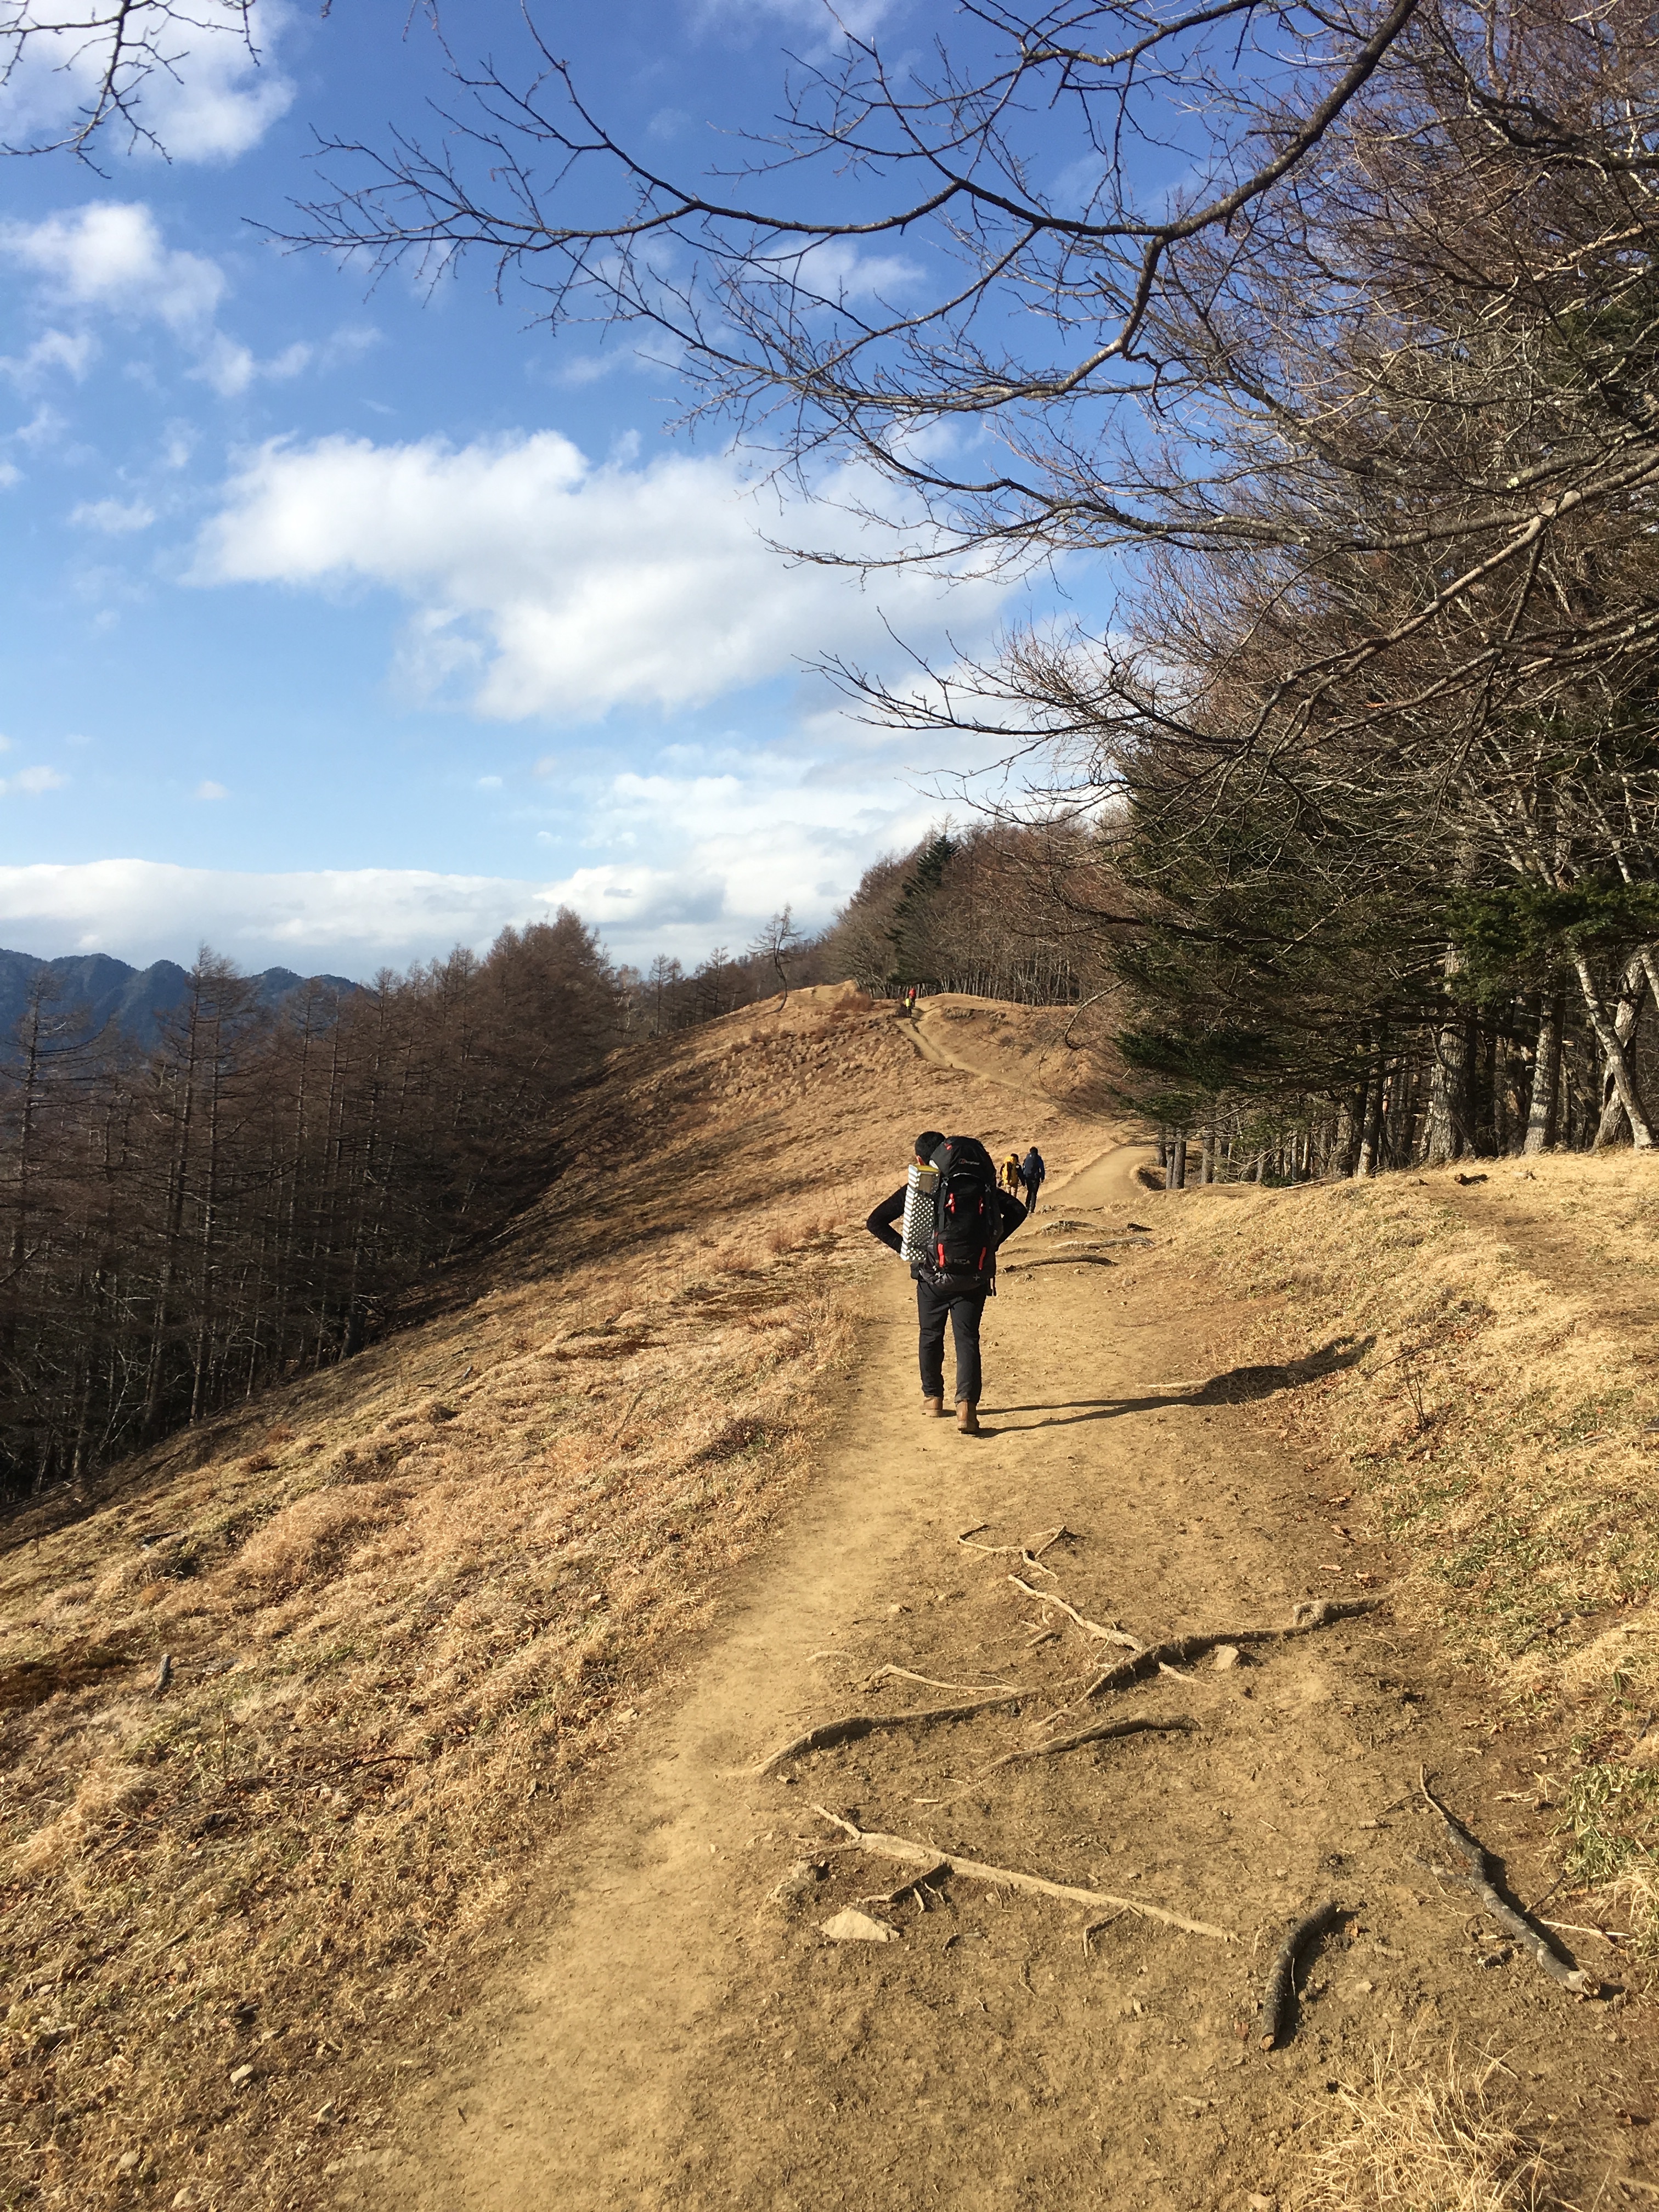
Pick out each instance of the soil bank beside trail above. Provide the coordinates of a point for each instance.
(681, 2031)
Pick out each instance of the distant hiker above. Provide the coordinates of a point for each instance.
(1031, 1174)
(1010, 1175)
(954, 1219)
(910, 1002)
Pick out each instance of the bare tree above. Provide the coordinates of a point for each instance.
(774, 945)
(110, 51)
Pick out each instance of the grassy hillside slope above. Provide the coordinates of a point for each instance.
(1478, 1384)
(406, 1604)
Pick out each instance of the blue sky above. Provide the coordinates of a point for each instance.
(344, 624)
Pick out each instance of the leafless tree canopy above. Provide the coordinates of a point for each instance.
(1370, 392)
(111, 50)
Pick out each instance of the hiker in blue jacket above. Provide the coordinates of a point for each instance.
(1031, 1174)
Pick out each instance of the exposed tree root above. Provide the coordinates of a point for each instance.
(851, 1726)
(907, 1853)
(1315, 1613)
(1474, 1869)
(1098, 1734)
(1279, 2000)
(1089, 1627)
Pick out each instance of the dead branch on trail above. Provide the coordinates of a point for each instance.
(1280, 1994)
(1098, 1734)
(1089, 1627)
(1031, 1552)
(851, 1726)
(922, 1880)
(1474, 1869)
(907, 1853)
(1308, 1617)
(903, 1674)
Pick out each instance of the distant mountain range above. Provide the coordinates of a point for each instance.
(132, 998)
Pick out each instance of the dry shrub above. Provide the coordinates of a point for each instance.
(310, 1538)
(1412, 2141)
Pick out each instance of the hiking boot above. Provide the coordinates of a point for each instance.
(935, 1405)
(967, 1417)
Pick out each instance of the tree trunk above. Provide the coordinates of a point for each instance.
(1177, 1178)
(1617, 1063)
(1371, 1144)
(1545, 1078)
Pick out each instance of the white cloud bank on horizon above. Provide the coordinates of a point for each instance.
(544, 584)
(356, 919)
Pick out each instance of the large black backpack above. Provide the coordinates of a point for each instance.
(967, 1219)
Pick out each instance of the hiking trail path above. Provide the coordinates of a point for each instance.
(674, 2036)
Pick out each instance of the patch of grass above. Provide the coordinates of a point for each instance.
(1497, 1425)
(1611, 1811)
(1413, 2141)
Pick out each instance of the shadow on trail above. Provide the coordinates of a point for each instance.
(1238, 1385)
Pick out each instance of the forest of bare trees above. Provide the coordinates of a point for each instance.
(185, 1223)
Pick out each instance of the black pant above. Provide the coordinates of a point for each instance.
(963, 1301)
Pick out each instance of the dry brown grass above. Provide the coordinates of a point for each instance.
(409, 1603)
(1410, 2140)
(1491, 1395)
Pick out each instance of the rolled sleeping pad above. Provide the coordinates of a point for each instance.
(920, 1189)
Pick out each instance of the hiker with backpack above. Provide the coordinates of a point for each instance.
(954, 1217)
(1031, 1174)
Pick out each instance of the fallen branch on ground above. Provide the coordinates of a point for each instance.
(1031, 1552)
(921, 1880)
(1281, 1993)
(929, 1681)
(1475, 1870)
(1314, 1613)
(851, 1726)
(907, 1853)
(1089, 1627)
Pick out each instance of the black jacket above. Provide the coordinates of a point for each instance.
(892, 1211)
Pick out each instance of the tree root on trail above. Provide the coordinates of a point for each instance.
(851, 1726)
(908, 1853)
(1098, 1734)
(1089, 1627)
(1474, 1869)
(1279, 1997)
(1314, 1614)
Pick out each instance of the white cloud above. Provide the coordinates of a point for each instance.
(544, 584)
(70, 352)
(111, 256)
(489, 783)
(32, 782)
(111, 259)
(10, 474)
(828, 23)
(214, 100)
(208, 789)
(114, 517)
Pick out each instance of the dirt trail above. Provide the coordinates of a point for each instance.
(679, 2036)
